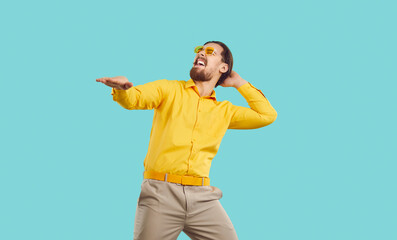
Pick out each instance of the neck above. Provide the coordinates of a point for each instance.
(205, 88)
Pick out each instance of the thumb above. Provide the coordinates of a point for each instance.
(128, 85)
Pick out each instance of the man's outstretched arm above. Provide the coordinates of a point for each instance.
(145, 96)
(261, 113)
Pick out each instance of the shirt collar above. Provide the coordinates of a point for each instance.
(190, 83)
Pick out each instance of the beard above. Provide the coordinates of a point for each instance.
(199, 74)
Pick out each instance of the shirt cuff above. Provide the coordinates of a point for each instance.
(114, 91)
(119, 94)
(118, 91)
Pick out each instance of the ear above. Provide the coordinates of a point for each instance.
(224, 67)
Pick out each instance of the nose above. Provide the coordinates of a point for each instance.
(201, 53)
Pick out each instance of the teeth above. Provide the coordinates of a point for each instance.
(200, 62)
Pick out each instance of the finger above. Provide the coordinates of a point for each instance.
(111, 84)
(104, 78)
(125, 86)
(109, 80)
(101, 79)
(112, 80)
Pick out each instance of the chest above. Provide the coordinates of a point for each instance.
(192, 112)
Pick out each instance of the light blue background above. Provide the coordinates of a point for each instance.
(72, 158)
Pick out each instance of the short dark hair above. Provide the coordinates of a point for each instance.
(227, 58)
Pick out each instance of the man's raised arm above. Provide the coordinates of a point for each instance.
(261, 113)
(145, 96)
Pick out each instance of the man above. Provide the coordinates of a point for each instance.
(188, 126)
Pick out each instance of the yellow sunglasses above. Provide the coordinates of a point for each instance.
(208, 50)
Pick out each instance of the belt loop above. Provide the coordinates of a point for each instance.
(165, 180)
(203, 182)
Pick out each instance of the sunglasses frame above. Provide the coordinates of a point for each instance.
(200, 48)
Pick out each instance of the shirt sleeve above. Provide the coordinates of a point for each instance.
(146, 96)
(260, 114)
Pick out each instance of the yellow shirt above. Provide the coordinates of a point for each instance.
(187, 129)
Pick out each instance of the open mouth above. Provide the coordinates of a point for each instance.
(199, 63)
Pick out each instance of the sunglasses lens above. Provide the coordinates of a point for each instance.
(209, 50)
(198, 49)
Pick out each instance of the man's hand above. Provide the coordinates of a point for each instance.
(234, 80)
(118, 82)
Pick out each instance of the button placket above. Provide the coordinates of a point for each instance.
(194, 138)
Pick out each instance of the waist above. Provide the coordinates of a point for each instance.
(184, 180)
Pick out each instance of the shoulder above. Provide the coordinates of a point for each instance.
(174, 83)
(162, 81)
(169, 86)
(170, 82)
(164, 84)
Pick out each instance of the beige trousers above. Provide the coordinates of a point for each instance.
(165, 209)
